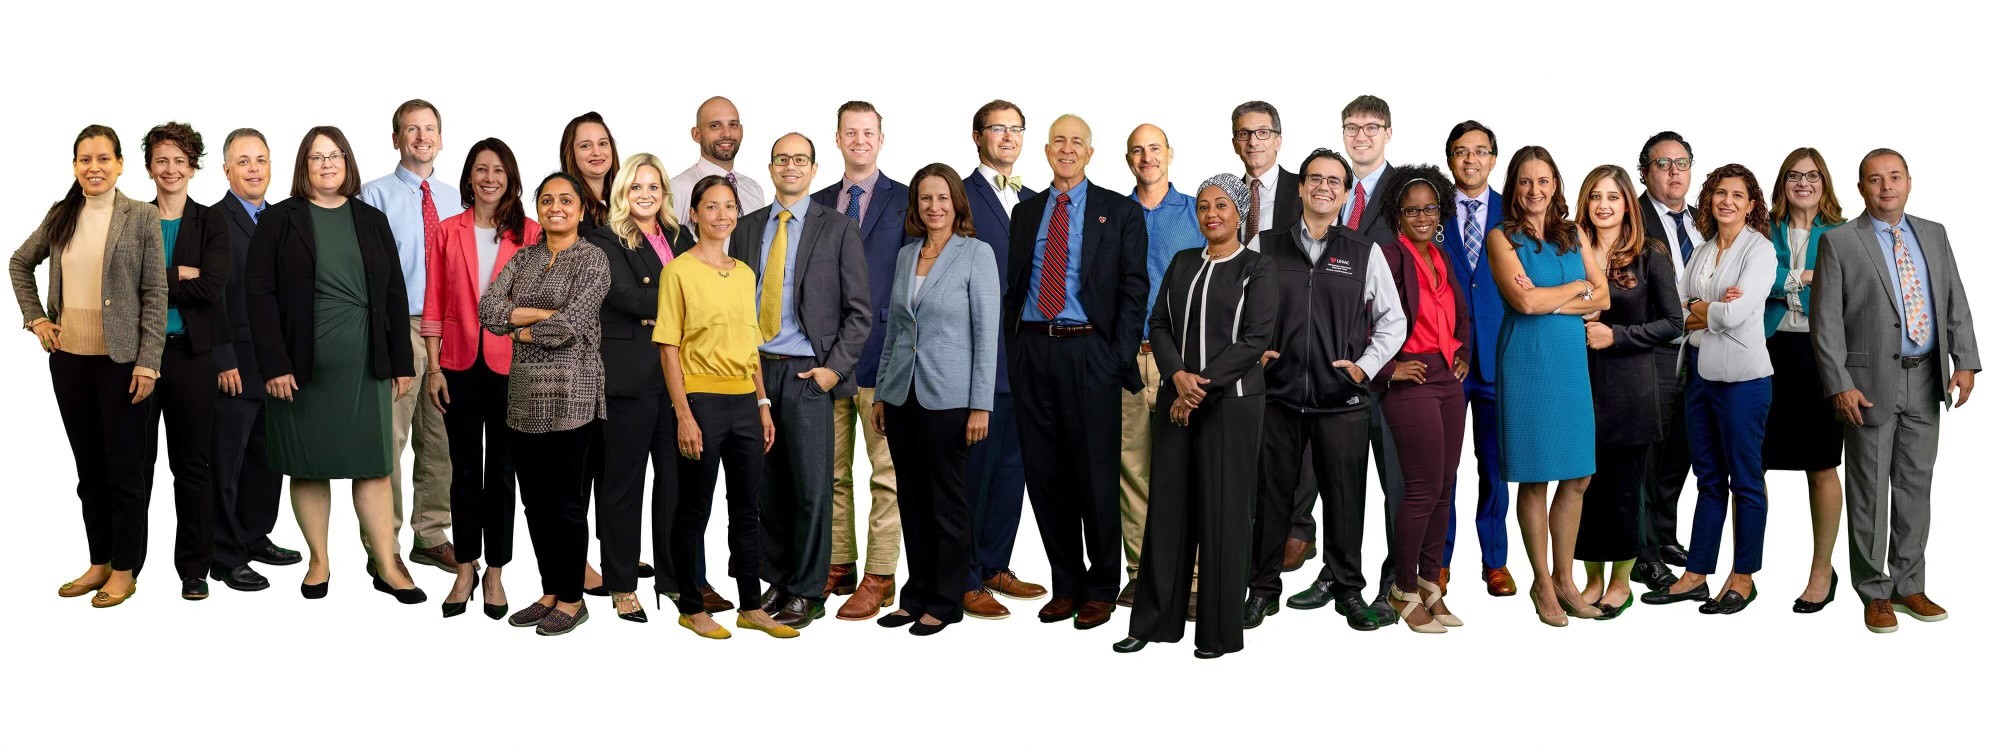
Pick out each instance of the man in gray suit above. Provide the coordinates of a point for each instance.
(1888, 306)
(812, 304)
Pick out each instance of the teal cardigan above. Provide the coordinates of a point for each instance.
(1775, 307)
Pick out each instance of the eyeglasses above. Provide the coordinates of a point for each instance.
(318, 159)
(1371, 129)
(791, 160)
(1262, 134)
(1810, 178)
(1481, 152)
(1317, 181)
(1427, 211)
(1680, 165)
(1004, 129)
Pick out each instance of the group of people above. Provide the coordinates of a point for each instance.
(1180, 376)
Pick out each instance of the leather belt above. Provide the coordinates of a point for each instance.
(768, 355)
(1145, 347)
(1911, 363)
(1056, 331)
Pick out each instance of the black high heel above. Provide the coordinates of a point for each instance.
(412, 595)
(1804, 607)
(636, 615)
(454, 609)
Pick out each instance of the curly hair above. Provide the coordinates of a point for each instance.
(1557, 229)
(1632, 242)
(181, 135)
(1760, 211)
(1396, 186)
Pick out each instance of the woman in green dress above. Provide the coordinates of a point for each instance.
(329, 315)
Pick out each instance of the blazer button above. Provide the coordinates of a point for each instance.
(107, 303)
(646, 280)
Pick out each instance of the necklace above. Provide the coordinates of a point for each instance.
(932, 256)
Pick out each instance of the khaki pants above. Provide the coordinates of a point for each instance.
(415, 417)
(1135, 457)
(885, 528)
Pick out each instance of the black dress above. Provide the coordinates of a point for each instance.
(1631, 415)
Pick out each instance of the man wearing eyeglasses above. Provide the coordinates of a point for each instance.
(1170, 228)
(415, 200)
(1073, 314)
(1666, 167)
(993, 473)
(1470, 150)
(813, 310)
(719, 131)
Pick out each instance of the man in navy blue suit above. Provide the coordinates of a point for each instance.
(993, 475)
(877, 205)
(1470, 151)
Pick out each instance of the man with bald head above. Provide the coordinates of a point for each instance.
(1170, 228)
(720, 133)
(1073, 314)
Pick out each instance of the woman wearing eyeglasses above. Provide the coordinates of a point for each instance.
(1801, 434)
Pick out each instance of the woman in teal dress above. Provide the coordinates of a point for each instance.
(329, 310)
(1548, 427)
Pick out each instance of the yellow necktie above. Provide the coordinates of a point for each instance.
(770, 311)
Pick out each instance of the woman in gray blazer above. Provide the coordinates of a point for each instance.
(104, 328)
(932, 398)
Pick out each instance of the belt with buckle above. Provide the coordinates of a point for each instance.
(1145, 347)
(1054, 331)
(1911, 363)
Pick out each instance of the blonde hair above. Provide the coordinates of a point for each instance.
(622, 223)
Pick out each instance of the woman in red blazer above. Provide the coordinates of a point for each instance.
(467, 375)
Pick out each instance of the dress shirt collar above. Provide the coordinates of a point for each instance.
(251, 208)
(867, 183)
(706, 168)
(798, 209)
(414, 182)
(1882, 227)
(1172, 199)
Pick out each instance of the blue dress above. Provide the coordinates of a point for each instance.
(1548, 430)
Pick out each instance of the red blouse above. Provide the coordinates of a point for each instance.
(1436, 317)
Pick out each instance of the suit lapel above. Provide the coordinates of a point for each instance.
(121, 211)
(1093, 206)
(230, 205)
(1865, 230)
(880, 202)
(954, 247)
(984, 196)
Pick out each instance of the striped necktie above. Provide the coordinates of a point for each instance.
(1473, 241)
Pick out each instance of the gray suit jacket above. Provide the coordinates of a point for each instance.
(1856, 329)
(829, 284)
(944, 342)
(135, 282)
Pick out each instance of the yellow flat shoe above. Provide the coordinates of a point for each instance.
(104, 600)
(775, 631)
(719, 633)
(73, 589)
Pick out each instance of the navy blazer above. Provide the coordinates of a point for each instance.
(1114, 283)
(990, 224)
(241, 352)
(1476, 283)
(882, 238)
(1377, 225)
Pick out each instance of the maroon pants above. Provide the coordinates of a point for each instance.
(1428, 422)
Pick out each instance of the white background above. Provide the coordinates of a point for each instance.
(1744, 82)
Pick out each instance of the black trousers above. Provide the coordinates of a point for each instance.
(482, 472)
(796, 514)
(928, 448)
(732, 440)
(1337, 442)
(552, 467)
(1201, 506)
(1669, 471)
(113, 441)
(1614, 505)
(1389, 474)
(638, 431)
(247, 489)
(1067, 406)
(185, 395)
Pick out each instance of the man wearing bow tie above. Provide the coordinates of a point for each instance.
(1666, 167)
(1072, 315)
(720, 133)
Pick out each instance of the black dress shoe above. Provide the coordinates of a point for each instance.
(412, 595)
(194, 589)
(1801, 606)
(241, 578)
(1729, 603)
(1129, 645)
(893, 620)
(1663, 597)
(1384, 614)
(313, 590)
(271, 554)
(1321, 594)
(1653, 575)
(1202, 653)
(1672, 553)
(1359, 615)
(799, 612)
(1255, 609)
(772, 602)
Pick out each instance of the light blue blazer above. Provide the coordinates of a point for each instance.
(944, 341)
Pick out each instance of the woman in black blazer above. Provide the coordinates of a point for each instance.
(196, 243)
(1645, 317)
(638, 240)
(330, 318)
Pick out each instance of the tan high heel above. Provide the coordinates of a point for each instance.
(1411, 602)
(1559, 621)
(1434, 593)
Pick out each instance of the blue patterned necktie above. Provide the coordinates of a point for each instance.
(1473, 241)
(854, 202)
(1680, 230)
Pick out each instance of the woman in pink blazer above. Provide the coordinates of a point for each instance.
(467, 375)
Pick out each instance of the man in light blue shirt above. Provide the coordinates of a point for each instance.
(415, 201)
(1886, 233)
(1071, 313)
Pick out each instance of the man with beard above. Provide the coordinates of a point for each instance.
(720, 132)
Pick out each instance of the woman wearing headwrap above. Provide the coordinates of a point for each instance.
(1210, 327)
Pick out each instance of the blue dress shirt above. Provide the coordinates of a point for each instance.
(1910, 348)
(256, 210)
(1072, 312)
(791, 339)
(401, 195)
(1170, 228)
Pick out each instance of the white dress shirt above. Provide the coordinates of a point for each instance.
(1267, 199)
(749, 194)
(1009, 197)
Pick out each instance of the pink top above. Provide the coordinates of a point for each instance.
(660, 247)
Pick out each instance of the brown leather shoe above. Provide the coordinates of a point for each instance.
(1297, 552)
(1128, 594)
(1057, 610)
(1879, 616)
(1919, 606)
(1006, 584)
(441, 556)
(1499, 582)
(983, 606)
(1093, 614)
(713, 603)
(839, 580)
(874, 593)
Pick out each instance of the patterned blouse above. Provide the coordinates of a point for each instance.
(557, 380)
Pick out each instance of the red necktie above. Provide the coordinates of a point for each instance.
(1360, 204)
(431, 229)
(1051, 296)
